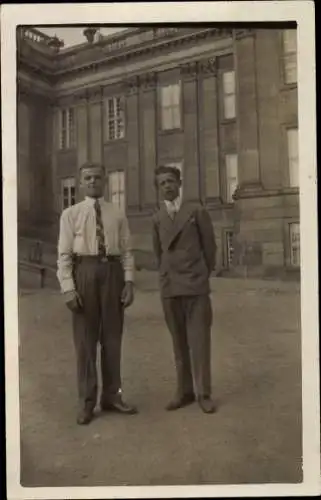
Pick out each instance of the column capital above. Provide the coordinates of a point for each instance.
(148, 81)
(132, 85)
(189, 70)
(208, 66)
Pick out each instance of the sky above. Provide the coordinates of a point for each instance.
(74, 36)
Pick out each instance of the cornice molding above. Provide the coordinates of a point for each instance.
(243, 33)
(32, 91)
(97, 57)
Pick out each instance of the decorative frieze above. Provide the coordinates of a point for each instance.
(117, 50)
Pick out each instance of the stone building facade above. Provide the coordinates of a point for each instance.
(221, 104)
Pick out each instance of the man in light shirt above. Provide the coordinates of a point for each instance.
(95, 271)
(185, 250)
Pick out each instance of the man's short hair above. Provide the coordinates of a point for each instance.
(166, 169)
(91, 164)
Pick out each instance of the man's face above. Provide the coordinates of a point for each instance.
(168, 186)
(93, 182)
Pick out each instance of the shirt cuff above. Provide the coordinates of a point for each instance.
(129, 276)
(68, 285)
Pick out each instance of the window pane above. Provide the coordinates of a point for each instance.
(114, 198)
(119, 129)
(175, 94)
(122, 201)
(231, 176)
(112, 182)
(229, 106)
(229, 82)
(110, 107)
(231, 165)
(165, 96)
(63, 118)
(63, 139)
(121, 181)
(167, 120)
(111, 130)
(231, 188)
(176, 117)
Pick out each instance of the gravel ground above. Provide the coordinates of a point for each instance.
(255, 437)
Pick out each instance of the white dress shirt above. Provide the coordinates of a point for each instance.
(78, 236)
(173, 206)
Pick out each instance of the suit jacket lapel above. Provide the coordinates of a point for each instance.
(166, 224)
(179, 221)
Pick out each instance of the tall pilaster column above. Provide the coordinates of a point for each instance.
(192, 187)
(209, 132)
(247, 111)
(133, 150)
(148, 139)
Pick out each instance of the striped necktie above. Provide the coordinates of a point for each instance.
(99, 230)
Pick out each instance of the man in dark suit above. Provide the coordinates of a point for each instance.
(185, 249)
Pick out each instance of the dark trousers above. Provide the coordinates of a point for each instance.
(100, 285)
(189, 320)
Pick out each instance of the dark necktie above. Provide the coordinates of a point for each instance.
(99, 230)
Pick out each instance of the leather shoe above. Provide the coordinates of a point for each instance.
(84, 417)
(119, 406)
(180, 402)
(207, 405)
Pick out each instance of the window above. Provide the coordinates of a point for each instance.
(231, 176)
(293, 156)
(290, 56)
(67, 128)
(68, 187)
(170, 106)
(117, 189)
(115, 118)
(229, 236)
(295, 244)
(178, 165)
(229, 94)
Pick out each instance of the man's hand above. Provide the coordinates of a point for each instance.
(127, 296)
(73, 301)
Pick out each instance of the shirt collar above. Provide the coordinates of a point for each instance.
(91, 201)
(175, 204)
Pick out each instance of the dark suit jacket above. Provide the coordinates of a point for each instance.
(185, 250)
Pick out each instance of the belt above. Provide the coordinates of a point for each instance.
(97, 258)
